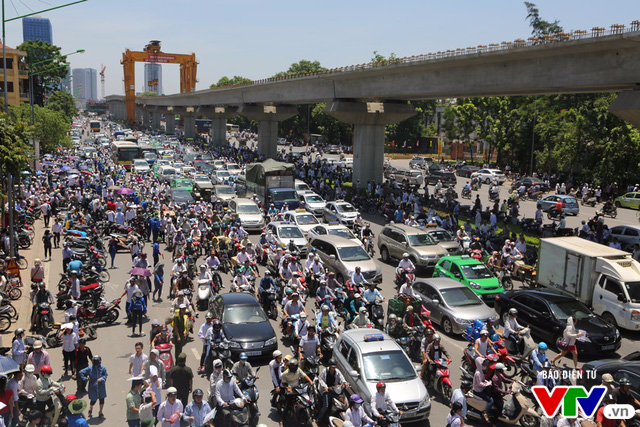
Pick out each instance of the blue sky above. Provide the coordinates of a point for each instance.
(257, 38)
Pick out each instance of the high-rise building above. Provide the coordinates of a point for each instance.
(153, 77)
(65, 84)
(34, 28)
(85, 84)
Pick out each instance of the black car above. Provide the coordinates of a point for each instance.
(467, 170)
(440, 175)
(619, 369)
(181, 195)
(528, 182)
(245, 324)
(546, 312)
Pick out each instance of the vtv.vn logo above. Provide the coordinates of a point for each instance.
(569, 397)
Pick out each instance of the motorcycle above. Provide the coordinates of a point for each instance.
(525, 342)
(269, 304)
(304, 403)
(338, 403)
(466, 194)
(391, 419)
(611, 211)
(250, 391)
(376, 314)
(238, 414)
(91, 293)
(165, 355)
(410, 345)
(441, 381)
(518, 410)
(107, 312)
(53, 338)
(369, 246)
(44, 317)
(219, 350)
(328, 338)
(311, 366)
(404, 275)
(204, 294)
(494, 195)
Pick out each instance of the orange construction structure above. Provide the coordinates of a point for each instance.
(152, 53)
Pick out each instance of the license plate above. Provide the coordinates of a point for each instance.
(608, 347)
(409, 414)
(253, 353)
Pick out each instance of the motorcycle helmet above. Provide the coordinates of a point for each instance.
(624, 381)
(513, 312)
(46, 369)
(164, 328)
(19, 331)
(542, 346)
(303, 315)
(209, 315)
(500, 367)
(325, 307)
(293, 365)
(362, 310)
(96, 359)
(380, 385)
(227, 373)
(217, 322)
(393, 317)
(484, 332)
(197, 392)
(490, 320)
(332, 362)
(466, 385)
(203, 266)
(172, 391)
(277, 353)
(546, 365)
(436, 337)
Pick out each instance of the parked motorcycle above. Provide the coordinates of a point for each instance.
(107, 312)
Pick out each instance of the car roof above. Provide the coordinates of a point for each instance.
(461, 260)
(564, 196)
(283, 224)
(551, 295)
(407, 228)
(441, 282)
(334, 240)
(356, 336)
(238, 298)
(240, 200)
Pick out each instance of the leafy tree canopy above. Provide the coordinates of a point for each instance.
(302, 66)
(45, 64)
(51, 127)
(149, 93)
(15, 147)
(539, 26)
(226, 81)
(63, 103)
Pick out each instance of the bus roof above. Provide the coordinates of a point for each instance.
(123, 144)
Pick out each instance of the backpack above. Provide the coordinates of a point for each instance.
(137, 304)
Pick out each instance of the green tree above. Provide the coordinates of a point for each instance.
(149, 93)
(226, 81)
(51, 127)
(378, 58)
(300, 67)
(64, 103)
(46, 65)
(15, 147)
(539, 26)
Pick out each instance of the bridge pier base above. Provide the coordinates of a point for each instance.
(627, 107)
(218, 115)
(155, 120)
(170, 123)
(189, 126)
(218, 132)
(268, 117)
(369, 120)
(146, 119)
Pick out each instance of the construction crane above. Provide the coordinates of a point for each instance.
(102, 79)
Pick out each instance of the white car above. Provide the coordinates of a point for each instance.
(283, 232)
(340, 211)
(488, 175)
(312, 202)
(335, 230)
(303, 219)
(141, 166)
(234, 169)
(188, 171)
(221, 176)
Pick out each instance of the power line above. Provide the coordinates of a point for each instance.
(14, 7)
(25, 5)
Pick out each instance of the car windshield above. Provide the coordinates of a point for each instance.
(633, 289)
(290, 233)
(347, 207)
(222, 173)
(563, 309)
(224, 190)
(233, 166)
(421, 240)
(180, 192)
(140, 163)
(182, 183)
(476, 271)
(570, 201)
(236, 314)
(151, 156)
(201, 178)
(460, 297)
(302, 187)
(441, 236)
(388, 366)
(342, 232)
(281, 196)
(307, 219)
(353, 253)
(314, 199)
(248, 209)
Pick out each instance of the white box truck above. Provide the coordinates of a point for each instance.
(602, 277)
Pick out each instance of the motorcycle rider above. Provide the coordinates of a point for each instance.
(434, 351)
(461, 235)
(239, 282)
(313, 270)
(309, 345)
(381, 402)
(301, 327)
(242, 369)
(539, 356)
(275, 368)
(42, 295)
(483, 345)
(481, 386)
(266, 283)
(46, 389)
(324, 291)
(196, 410)
(328, 380)
(326, 319)
(545, 378)
(459, 396)
(370, 295)
(411, 319)
(205, 274)
(355, 414)
(357, 278)
(467, 188)
(226, 391)
(361, 320)
(404, 265)
(498, 382)
(407, 289)
(512, 328)
(624, 395)
(397, 329)
(291, 379)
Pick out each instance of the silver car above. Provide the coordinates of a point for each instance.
(342, 256)
(282, 233)
(249, 213)
(444, 238)
(340, 211)
(396, 239)
(453, 305)
(569, 203)
(368, 356)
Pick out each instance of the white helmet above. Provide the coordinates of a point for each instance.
(513, 312)
(405, 255)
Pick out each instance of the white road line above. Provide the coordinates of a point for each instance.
(196, 353)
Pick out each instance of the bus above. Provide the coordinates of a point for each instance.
(94, 125)
(231, 128)
(123, 153)
(152, 151)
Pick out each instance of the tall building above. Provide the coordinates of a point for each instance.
(65, 84)
(153, 77)
(85, 84)
(34, 28)
(17, 78)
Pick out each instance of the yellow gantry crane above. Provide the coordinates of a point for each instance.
(152, 53)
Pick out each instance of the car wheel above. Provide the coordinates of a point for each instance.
(608, 317)
(447, 327)
(384, 254)
(487, 181)
(529, 421)
(617, 204)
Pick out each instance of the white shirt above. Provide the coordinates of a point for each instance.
(382, 402)
(406, 289)
(138, 363)
(406, 264)
(166, 410)
(69, 341)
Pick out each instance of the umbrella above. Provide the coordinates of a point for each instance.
(8, 365)
(73, 171)
(87, 172)
(55, 170)
(39, 173)
(113, 188)
(74, 176)
(65, 168)
(140, 272)
(125, 191)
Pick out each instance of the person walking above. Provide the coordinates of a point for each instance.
(133, 401)
(69, 345)
(569, 337)
(113, 249)
(158, 281)
(18, 348)
(156, 251)
(137, 308)
(180, 325)
(46, 241)
(81, 358)
(181, 377)
(170, 411)
(56, 229)
(96, 377)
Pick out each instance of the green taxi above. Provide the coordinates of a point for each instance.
(181, 183)
(472, 273)
(628, 200)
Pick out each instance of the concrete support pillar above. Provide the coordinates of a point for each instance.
(155, 120)
(369, 120)
(170, 123)
(146, 119)
(218, 115)
(268, 117)
(189, 126)
(218, 132)
(627, 107)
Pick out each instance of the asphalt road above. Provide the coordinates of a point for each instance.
(115, 344)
